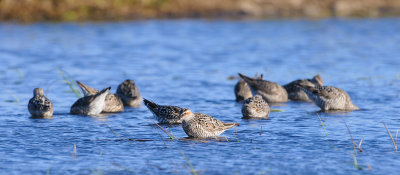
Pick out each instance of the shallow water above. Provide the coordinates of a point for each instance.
(187, 63)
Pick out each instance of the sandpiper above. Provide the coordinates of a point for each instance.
(271, 92)
(255, 107)
(90, 105)
(296, 94)
(113, 102)
(198, 125)
(129, 93)
(243, 91)
(39, 105)
(330, 98)
(166, 114)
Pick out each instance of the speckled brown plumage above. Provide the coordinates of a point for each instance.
(296, 94)
(200, 125)
(330, 98)
(113, 102)
(166, 114)
(129, 93)
(243, 91)
(255, 107)
(90, 105)
(271, 92)
(39, 105)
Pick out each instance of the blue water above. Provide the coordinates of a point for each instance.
(187, 63)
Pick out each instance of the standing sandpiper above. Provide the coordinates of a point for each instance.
(255, 107)
(129, 94)
(39, 105)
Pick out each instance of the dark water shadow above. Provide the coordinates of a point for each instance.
(205, 140)
(32, 117)
(343, 112)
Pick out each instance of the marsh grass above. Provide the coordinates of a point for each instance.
(323, 125)
(74, 153)
(236, 135)
(355, 146)
(70, 82)
(391, 137)
(108, 126)
(192, 170)
(20, 75)
(122, 167)
(226, 138)
(165, 131)
(356, 162)
(16, 99)
(97, 171)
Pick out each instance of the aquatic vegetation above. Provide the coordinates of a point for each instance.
(70, 82)
(391, 137)
(16, 99)
(323, 125)
(20, 74)
(192, 170)
(355, 146)
(74, 153)
(108, 126)
(97, 171)
(356, 163)
(165, 131)
(122, 167)
(277, 110)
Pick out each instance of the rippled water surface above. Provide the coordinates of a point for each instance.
(187, 63)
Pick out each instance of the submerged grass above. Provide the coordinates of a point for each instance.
(322, 124)
(16, 99)
(74, 154)
(192, 170)
(356, 163)
(70, 82)
(108, 126)
(355, 146)
(19, 72)
(97, 171)
(122, 167)
(277, 110)
(165, 131)
(391, 137)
